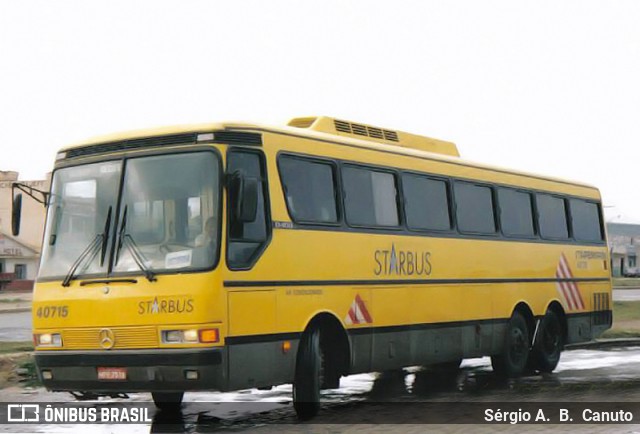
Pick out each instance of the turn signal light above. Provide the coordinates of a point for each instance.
(209, 336)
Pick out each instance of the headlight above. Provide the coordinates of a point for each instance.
(48, 340)
(190, 335)
(172, 336)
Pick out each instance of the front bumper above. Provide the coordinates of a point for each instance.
(146, 370)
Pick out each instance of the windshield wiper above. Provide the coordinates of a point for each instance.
(91, 251)
(105, 235)
(139, 258)
(136, 253)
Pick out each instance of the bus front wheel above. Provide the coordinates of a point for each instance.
(308, 376)
(549, 343)
(513, 359)
(168, 401)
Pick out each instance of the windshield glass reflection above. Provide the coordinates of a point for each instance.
(169, 214)
(168, 217)
(79, 205)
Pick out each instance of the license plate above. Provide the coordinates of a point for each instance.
(112, 374)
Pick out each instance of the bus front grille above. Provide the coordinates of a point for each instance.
(110, 338)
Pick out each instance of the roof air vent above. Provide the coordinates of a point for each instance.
(302, 122)
(369, 133)
(365, 130)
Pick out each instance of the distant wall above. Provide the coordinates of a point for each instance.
(33, 213)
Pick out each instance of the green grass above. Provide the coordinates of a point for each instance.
(626, 320)
(15, 347)
(620, 334)
(621, 282)
(11, 300)
(31, 377)
(626, 310)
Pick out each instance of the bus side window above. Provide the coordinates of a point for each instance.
(247, 240)
(552, 217)
(586, 220)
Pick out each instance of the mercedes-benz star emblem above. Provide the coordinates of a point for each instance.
(107, 339)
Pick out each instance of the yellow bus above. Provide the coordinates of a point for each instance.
(232, 256)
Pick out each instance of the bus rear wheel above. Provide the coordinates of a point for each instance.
(168, 401)
(549, 343)
(512, 361)
(308, 376)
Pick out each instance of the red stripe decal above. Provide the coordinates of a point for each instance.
(363, 309)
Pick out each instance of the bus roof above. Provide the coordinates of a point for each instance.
(345, 132)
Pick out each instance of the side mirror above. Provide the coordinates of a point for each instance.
(16, 214)
(248, 210)
(244, 197)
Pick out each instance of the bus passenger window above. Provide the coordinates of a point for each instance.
(552, 217)
(310, 190)
(585, 220)
(516, 213)
(246, 240)
(370, 197)
(474, 208)
(426, 203)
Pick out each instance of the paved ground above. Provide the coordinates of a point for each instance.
(15, 301)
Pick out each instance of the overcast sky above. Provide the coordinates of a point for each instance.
(548, 86)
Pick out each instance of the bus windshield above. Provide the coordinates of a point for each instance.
(168, 217)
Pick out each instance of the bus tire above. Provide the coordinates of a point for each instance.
(512, 362)
(308, 376)
(549, 343)
(168, 401)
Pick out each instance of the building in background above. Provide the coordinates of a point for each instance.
(20, 256)
(624, 245)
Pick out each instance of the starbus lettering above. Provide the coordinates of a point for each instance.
(155, 306)
(402, 262)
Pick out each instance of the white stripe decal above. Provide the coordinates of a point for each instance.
(569, 289)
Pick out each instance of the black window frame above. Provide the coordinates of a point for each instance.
(496, 232)
(532, 203)
(599, 215)
(398, 199)
(567, 217)
(454, 232)
(450, 202)
(20, 271)
(337, 191)
(267, 209)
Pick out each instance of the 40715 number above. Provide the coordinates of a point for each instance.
(52, 311)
